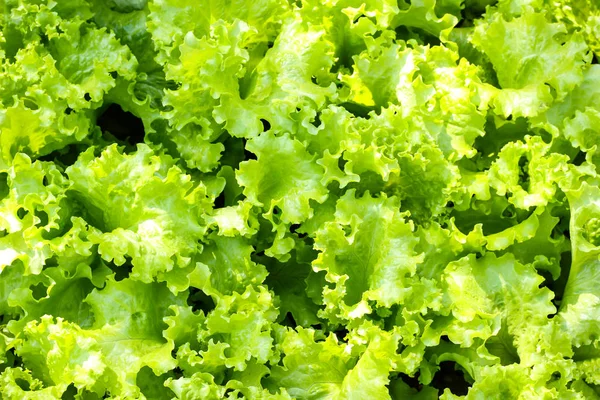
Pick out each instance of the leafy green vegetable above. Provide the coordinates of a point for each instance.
(273, 199)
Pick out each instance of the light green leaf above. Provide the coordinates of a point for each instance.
(284, 175)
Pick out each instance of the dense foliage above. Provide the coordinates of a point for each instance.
(311, 199)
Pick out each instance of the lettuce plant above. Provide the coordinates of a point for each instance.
(277, 199)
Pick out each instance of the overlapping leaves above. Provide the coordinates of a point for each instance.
(333, 200)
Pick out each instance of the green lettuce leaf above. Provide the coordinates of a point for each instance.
(156, 233)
